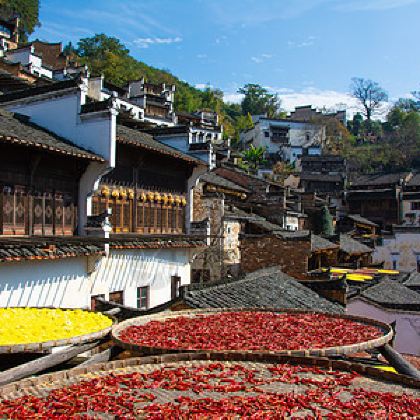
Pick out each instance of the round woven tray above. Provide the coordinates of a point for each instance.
(328, 351)
(42, 385)
(46, 345)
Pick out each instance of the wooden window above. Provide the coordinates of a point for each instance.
(175, 285)
(140, 217)
(181, 220)
(117, 297)
(153, 217)
(38, 214)
(126, 215)
(165, 218)
(48, 228)
(69, 217)
(93, 301)
(143, 294)
(14, 210)
(174, 219)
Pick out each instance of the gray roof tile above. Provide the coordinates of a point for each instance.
(392, 294)
(351, 246)
(270, 288)
(17, 129)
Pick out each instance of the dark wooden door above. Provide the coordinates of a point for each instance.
(117, 297)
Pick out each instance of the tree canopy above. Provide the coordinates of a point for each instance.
(26, 10)
(257, 101)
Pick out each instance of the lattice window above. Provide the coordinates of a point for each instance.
(158, 224)
(14, 207)
(140, 217)
(37, 213)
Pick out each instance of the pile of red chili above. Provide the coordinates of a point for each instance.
(250, 331)
(237, 390)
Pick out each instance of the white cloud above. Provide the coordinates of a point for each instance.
(290, 99)
(308, 42)
(147, 42)
(203, 86)
(201, 56)
(261, 58)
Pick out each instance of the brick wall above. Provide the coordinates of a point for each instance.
(268, 250)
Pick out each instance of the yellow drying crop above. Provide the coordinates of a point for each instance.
(37, 325)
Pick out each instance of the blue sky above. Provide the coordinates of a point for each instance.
(306, 50)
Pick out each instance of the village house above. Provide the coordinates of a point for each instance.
(307, 113)
(377, 197)
(146, 185)
(411, 201)
(284, 139)
(323, 174)
(42, 260)
(400, 250)
(195, 134)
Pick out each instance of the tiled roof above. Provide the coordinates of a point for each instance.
(26, 249)
(359, 219)
(39, 90)
(214, 179)
(267, 288)
(379, 179)
(414, 181)
(318, 243)
(143, 140)
(322, 158)
(391, 294)
(156, 242)
(15, 129)
(413, 280)
(307, 176)
(351, 246)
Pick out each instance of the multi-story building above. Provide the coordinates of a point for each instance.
(285, 139)
(323, 174)
(411, 201)
(377, 197)
(146, 185)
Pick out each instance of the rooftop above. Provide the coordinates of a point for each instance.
(392, 294)
(17, 129)
(352, 247)
(319, 243)
(359, 219)
(143, 140)
(155, 242)
(413, 280)
(380, 179)
(266, 288)
(20, 249)
(214, 179)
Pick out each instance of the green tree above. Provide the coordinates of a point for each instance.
(26, 10)
(355, 126)
(326, 222)
(254, 156)
(257, 101)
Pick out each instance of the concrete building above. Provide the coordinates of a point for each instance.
(285, 139)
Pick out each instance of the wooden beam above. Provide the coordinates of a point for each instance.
(104, 356)
(398, 362)
(43, 363)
